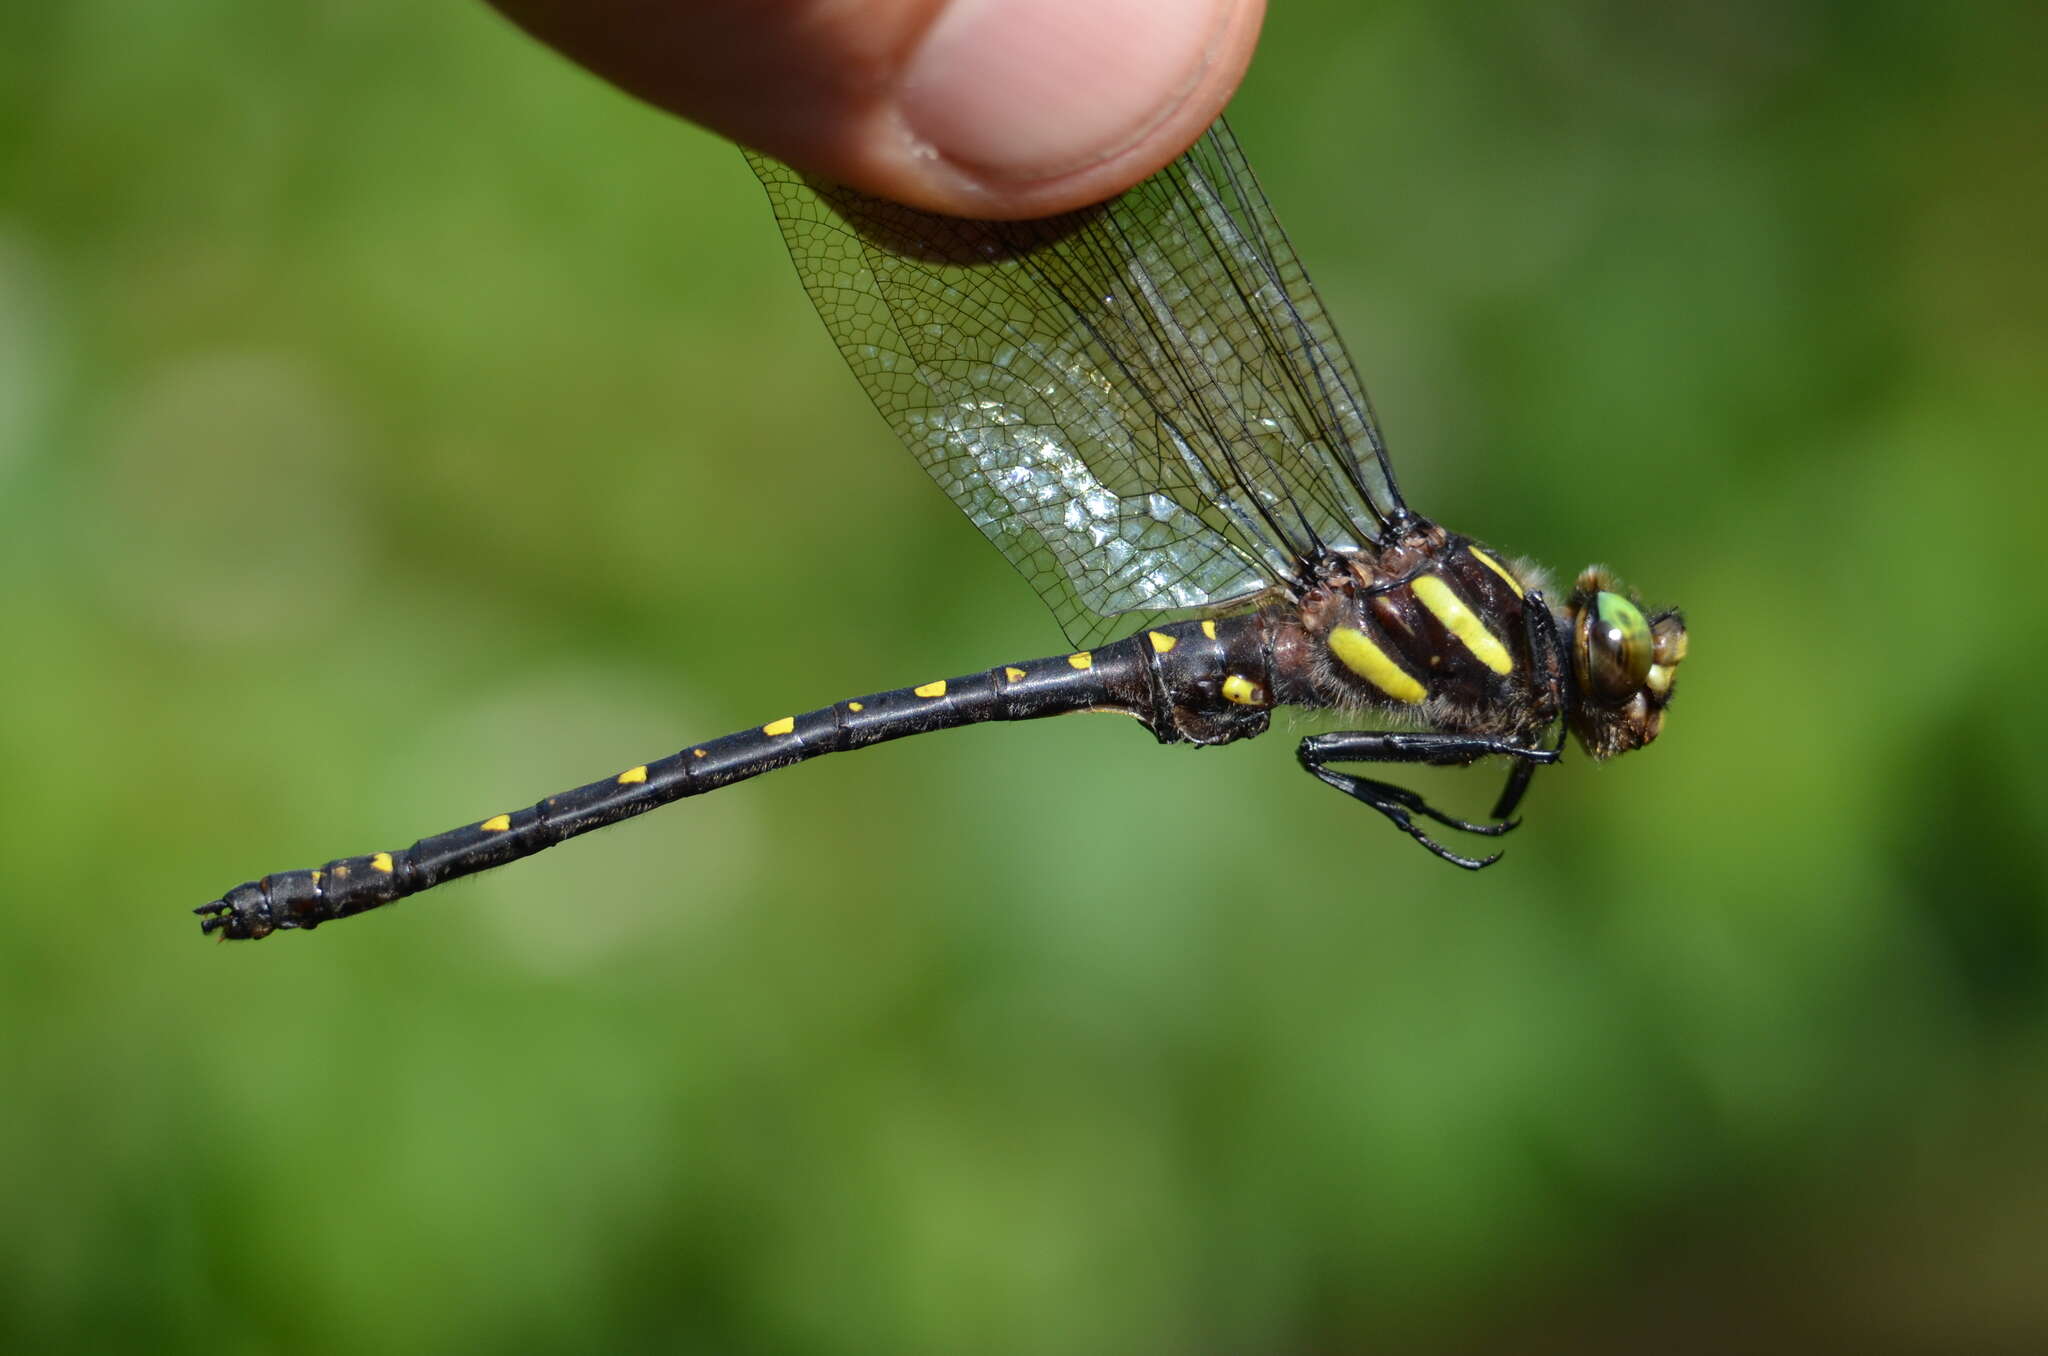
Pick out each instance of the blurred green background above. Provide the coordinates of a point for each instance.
(397, 425)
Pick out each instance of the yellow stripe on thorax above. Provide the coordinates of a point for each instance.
(1490, 563)
(1462, 622)
(1357, 652)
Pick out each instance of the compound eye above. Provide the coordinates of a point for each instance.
(1614, 647)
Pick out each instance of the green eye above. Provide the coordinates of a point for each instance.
(1614, 647)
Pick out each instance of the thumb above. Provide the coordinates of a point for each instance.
(986, 108)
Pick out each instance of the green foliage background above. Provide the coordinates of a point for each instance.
(396, 425)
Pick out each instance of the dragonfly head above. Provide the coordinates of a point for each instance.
(1624, 664)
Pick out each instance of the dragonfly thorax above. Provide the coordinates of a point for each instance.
(1432, 627)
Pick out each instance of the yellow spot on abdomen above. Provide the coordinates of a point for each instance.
(381, 862)
(697, 753)
(1356, 651)
(937, 689)
(1462, 622)
(632, 775)
(779, 727)
(1242, 690)
(319, 876)
(855, 707)
(1082, 661)
(496, 824)
(1209, 629)
(1490, 563)
(1161, 642)
(1014, 674)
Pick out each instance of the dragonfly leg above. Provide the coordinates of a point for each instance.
(1511, 794)
(1553, 668)
(1401, 805)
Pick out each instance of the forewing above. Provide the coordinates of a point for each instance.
(1142, 404)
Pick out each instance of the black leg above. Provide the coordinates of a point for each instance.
(1416, 746)
(1511, 794)
(1400, 805)
(1553, 669)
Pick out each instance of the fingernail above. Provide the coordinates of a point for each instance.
(1024, 90)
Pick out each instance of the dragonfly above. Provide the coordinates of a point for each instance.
(1144, 406)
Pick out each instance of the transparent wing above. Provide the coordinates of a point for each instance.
(1142, 404)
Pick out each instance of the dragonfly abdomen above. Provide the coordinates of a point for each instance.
(1201, 682)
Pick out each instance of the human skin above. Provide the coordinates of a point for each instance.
(982, 108)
